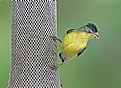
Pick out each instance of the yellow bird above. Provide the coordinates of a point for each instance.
(76, 40)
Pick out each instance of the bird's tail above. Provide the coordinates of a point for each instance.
(63, 58)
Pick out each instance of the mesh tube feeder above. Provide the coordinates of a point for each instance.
(33, 50)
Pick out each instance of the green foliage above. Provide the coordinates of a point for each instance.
(100, 65)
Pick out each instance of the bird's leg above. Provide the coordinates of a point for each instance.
(56, 67)
(55, 39)
(62, 63)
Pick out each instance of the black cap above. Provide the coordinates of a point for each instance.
(92, 27)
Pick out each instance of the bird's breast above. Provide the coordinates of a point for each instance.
(72, 44)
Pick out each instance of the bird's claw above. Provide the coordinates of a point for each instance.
(54, 67)
(55, 39)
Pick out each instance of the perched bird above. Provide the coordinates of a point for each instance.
(76, 40)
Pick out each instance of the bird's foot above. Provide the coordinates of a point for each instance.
(54, 67)
(55, 39)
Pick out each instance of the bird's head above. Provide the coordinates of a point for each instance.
(91, 29)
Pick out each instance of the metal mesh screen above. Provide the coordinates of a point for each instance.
(33, 50)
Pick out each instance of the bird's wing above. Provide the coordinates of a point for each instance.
(81, 52)
(71, 30)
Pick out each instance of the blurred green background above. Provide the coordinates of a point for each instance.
(100, 65)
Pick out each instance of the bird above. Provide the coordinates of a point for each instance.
(75, 42)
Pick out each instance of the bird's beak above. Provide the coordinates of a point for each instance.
(96, 35)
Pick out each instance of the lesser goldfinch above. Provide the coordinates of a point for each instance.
(76, 40)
